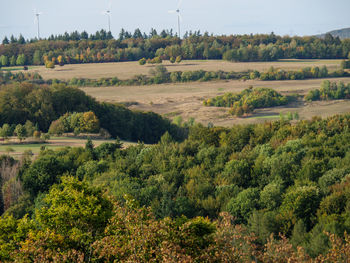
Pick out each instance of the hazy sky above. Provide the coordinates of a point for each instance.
(293, 17)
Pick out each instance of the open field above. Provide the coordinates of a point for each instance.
(185, 99)
(54, 143)
(126, 70)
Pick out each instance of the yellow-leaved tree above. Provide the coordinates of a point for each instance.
(89, 122)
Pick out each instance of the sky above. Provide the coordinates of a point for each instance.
(293, 17)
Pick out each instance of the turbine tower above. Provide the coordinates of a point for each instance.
(108, 12)
(36, 20)
(179, 17)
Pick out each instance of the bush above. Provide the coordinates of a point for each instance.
(142, 61)
(158, 60)
(50, 64)
(178, 59)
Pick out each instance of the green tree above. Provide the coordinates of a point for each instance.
(299, 234)
(271, 195)
(5, 41)
(21, 60)
(21, 132)
(6, 131)
(42, 174)
(300, 202)
(263, 224)
(160, 74)
(323, 72)
(37, 57)
(77, 212)
(244, 204)
(12, 232)
(30, 128)
(13, 61)
(57, 127)
(4, 60)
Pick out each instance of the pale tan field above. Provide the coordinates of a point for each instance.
(126, 70)
(186, 99)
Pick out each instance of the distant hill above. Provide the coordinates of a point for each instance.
(341, 33)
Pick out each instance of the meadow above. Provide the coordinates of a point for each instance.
(186, 99)
(126, 70)
(18, 149)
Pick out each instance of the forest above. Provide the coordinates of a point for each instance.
(274, 187)
(101, 47)
(43, 104)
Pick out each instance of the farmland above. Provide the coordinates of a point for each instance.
(185, 99)
(126, 70)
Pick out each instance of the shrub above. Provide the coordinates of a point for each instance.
(50, 64)
(178, 59)
(142, 61)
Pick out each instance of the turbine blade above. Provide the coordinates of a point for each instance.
(179, 4)
(172, 11)
(180, 17)
(110, 5)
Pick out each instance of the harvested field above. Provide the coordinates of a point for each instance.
(126, 70)
(185, 99)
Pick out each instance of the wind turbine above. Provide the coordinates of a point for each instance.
(36, 21)
(108, 12)
(179, 17)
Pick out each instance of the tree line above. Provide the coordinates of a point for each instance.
(159, 74)
(252, 180)
(133, 47)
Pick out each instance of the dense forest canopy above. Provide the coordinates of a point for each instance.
(102, 47)
(43, 104)
(275, 177)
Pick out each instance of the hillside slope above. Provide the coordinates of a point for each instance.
(341, 33)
